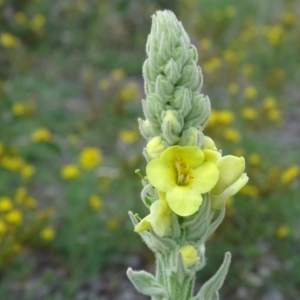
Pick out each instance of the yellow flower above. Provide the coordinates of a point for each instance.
(205, 44)
(159, 219)
(155, 147)
(230, 11)
(189, 255)
(249, 113)
(232, 178)
(19, 109)
(5, 204)
(232, 135)
(250, 190)
(274, 35)
(30, 202)
(130, 92)
(282, 231)
(212, 65)
(254, 159)
(289, 18)
(20, 18)
(47, 234)
(12, 163)
(27, 171)
(95, 202)
(274, 115)
(112, 224)
(103, 84)
(37, 22)
(14, 217)
(225, 117)
(7, 40)
(269, 103)
(182, 174)
(129, 136)
(290, 174)
(20, 194)
(250, 92)
(3, 227)
(41, 135)
(90, 157)
(117, 74)
(233, 88)
(70, 172)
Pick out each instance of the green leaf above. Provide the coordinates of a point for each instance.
(146, 283)
(209, 290)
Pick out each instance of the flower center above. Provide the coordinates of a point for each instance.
(182, 171)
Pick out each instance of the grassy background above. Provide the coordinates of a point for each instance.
(70, 91)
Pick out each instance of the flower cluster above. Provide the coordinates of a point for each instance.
(188, 178)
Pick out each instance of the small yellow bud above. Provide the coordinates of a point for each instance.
(155, 147)
(189, 255)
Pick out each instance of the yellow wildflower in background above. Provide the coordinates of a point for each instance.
(20, 18)
(250, 190)
(70, 172)
(233, 88)
(12, 163)
(103, 84)
(230, 11)
(27, 171)
(90, 157)
(37, 22)
(205, 44)
(112, 224)
(225, 117)
(290, 174)
(30, 202)
(269, 103)
(47, 234)
(5, 204)
(129, 136)
(274, 115)
(117, 74)
(232, 135)
(249, 113)
(130, 92)
(8, 40)
(95, 202)
(283, 231)
(189, 255)
(254, 159)
(250, 92)
(20, 194)
(41, 135)
(212, 65)
(14, 217)
(3, 227)
(274, 35)
(18, 109)
(289, 18)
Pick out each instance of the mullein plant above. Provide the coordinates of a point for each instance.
(188, 180)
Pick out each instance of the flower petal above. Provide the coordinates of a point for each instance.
(160, 217)
(211, 155)
(231, 168)
(191, 155)
(183, 200)
(204, 177)
(143, 225)
(217, 200)
(161, 175)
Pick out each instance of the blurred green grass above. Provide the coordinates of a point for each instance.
(73, 68)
